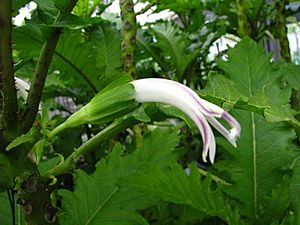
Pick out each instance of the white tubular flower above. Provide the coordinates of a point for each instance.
(22, 88)
(199, 110)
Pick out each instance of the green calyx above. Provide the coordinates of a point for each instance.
(109, 104)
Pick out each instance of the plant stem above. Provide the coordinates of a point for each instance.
(39, 78)
(149, 6)
(244, 28)
(92, 144)
(129, 29)
(281, 33)
(40, 74)
(213, 177)
(9, 121)
(36, 202)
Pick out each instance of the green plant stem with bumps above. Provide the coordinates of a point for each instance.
(128, 44)
(281, 33)
(285, 52)
(244, 28)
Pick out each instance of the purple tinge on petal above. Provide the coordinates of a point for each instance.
(190, 93)
(208, 112)
(212, 150)
(231, 121)
(218, 126)
(205, 138)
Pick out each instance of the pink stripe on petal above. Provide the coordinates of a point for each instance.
(231, 121)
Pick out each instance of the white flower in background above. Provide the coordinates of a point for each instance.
(199, 110)
(22, 88)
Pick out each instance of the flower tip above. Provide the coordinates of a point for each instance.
(233, 136)
(211, 156)
(204, 155)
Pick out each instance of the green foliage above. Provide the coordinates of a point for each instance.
(145, 45)
(17, 4)
(123, 184)
(256, 167)
(258, 88)
(6, 178)
(178, 5)
(75, 51)
(168, 214)
(148, 173)
(5, 211)
(105, 200)
(174, 185)
(291, 75)
(173, 43)
(222, 91)
(32, 135)
(46, 12)
(6, 214)
(60, 4)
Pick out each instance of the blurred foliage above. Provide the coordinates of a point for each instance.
(152, 173)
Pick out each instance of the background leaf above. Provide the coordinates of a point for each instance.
(17, 4)
(104, 200)
(6, 214)
(5, 210)
(222, 91)
(174, 45)
(85, 62)
(257, 165)
(174, 185)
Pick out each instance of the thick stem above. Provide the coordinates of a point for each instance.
(34, 194)
(35, 200)
(128, 44)
(244, 28)
(40, 74)
(92, 144)
(9, 104)
(38, 81)
(281, 33)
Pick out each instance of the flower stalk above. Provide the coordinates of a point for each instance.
(129, 29)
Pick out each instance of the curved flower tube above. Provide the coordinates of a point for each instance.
(123, 98)
(199, 110)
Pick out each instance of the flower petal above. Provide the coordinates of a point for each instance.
(173, 93)
(22, 88)
(199, 110)
(211, 110)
